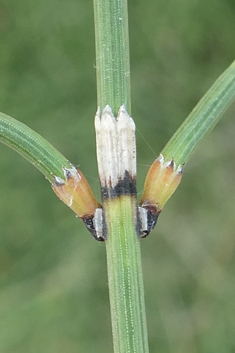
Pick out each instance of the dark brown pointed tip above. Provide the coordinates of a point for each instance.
(180, 169)
(148, 216)
(58, 181)
(172, 163)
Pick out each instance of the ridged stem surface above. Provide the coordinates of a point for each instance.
(122, 244)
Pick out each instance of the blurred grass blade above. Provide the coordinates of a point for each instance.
(33, 147)
(203, 118)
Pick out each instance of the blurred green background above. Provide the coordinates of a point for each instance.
(53, 282)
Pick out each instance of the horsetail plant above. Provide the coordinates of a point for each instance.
(120, 222)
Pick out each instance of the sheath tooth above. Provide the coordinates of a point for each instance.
(123, 147)
(109, 152)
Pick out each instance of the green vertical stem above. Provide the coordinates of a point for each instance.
(125, 278)
(112, 54)
(122, 244)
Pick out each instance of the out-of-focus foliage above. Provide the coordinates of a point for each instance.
(53, 283)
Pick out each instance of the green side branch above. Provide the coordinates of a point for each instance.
(33, 147)
(203, 118)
